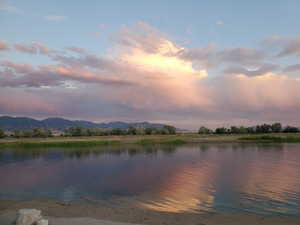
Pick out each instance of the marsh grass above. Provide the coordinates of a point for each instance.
(271, 138)
(64, 144)
(153, 141)
(144, 140)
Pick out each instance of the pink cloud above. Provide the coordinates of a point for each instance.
(4, 45)
(34, 48)
(19, 68)
(149, 76)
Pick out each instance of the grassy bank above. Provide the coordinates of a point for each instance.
(271, 138)
(89, 141)
(143, 140)
(52, 144)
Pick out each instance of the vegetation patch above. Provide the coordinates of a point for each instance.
(52, 144)
(152, 141)
(270, 138)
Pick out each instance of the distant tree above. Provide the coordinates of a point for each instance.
(170, 129)
(290, 129)
(234, 130)
(131, 131)
(27, 133)
(140, 131)
(204, 130)
(250, 130)
(164, 131)
(2, 134)
(40, 132)
(18, 134)
(221, 130)
(276, 127)
(76, 131)
(117, 131)
(265, 128)
(148, 130)
(240, 130)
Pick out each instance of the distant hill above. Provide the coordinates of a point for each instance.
(24, 123)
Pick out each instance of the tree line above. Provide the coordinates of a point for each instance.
(165, 130)
(36, 132)
(82, 131)
(258, 129)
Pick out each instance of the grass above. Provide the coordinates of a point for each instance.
(271, 138)
(52, 144)
(178, 139)
(152, 141)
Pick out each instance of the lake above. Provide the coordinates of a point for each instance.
(221, 178)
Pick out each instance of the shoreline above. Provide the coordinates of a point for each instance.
(148, 140)
(51, 208)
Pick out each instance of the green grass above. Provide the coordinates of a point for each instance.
(67, 142)
(270, 138)
(161, 141)
(52, 144)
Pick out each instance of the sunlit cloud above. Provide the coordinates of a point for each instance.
(150, 76)
(4, 46)
(219, 22)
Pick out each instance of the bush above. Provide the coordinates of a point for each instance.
(2, 134)
(204, 130)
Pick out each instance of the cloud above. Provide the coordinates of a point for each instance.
(19, 68)
(76, 50)
(292, 68)
(262, 70)
(287, 46)
(26, 48)
(272, 95)
(12, 103)
(241, 55)
(7, 7)
(4, 46)
(211, 57)
(219, 22)
(147, 76)
(55, 18)
(34, 48)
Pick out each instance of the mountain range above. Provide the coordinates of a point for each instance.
(26, 123)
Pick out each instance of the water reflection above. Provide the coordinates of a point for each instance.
(181, 192)
(258, 178)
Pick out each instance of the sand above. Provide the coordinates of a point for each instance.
(92, 214)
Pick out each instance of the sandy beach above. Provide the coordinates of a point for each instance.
(88, 213)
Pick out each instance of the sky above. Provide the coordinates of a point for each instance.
(185, 63)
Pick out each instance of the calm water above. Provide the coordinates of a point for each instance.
(226, 178)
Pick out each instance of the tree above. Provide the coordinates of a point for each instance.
(40, 132)
(132, 131)
(250, 130)
(290, 129)
(117, 131)
(27, 133)
(234, 130)
(164, 131)
(243, 130)
(204, 130)
(2, 134)
(221, 130)
(276, 127)
(171, 129)
(148, 130)
(18, 134)
(265, 128)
